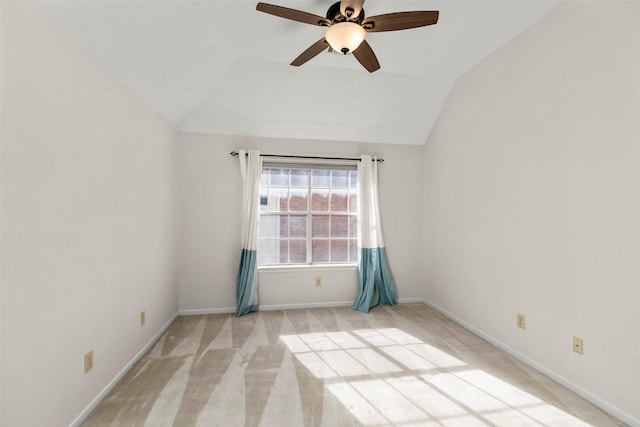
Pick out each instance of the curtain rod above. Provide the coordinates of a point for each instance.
(235, 154)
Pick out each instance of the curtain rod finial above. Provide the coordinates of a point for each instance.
(287, 156)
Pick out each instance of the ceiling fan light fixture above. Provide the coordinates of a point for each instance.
(345, 36)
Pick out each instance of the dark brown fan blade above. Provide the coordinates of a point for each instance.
(311, 52)
(365, 56)
(400, 21)
(351, 8)
(293, 14)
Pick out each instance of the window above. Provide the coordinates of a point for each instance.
(307, 216)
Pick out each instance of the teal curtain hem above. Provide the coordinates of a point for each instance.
(246, 282)
(375, 282)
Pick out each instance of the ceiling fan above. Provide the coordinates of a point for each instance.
(346, 28)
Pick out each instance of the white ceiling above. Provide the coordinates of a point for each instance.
(221, 67)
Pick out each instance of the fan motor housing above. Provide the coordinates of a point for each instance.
(334, 15)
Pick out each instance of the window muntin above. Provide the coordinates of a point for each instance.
(307, 216)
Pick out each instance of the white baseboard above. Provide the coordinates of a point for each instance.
(411, 300)
(85, 413)
(306, 305)
(225, 310)
(198, 311)
(580, 391)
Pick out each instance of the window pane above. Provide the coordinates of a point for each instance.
(320, 179)
(320, 251)
(268, 226)
(339, 226)
(353, 226)
(262, 226)
(353, 202)
(264, 178)
(283, 229)
(279, 177)
(284, 251)
(339, 250)
(339, 201)
(353, 179)
(353, 250)
(298, 226)
(264, 199)
(268, 251)
(299, 178)
(262, 252)
(339, 179)
(298, 251)
(320, 226)
(320, 200)
(298, 200)
(278, 200)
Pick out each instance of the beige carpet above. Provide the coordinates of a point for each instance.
(405, 365)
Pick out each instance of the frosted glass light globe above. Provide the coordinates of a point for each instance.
(345, 36)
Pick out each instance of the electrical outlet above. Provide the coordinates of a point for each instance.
(318, 281)
(142, 318)
(578, 345)
(521, 321)
(88, 361)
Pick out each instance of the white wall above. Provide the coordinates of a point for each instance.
(211, 228)
(89, 223)
(531, 200)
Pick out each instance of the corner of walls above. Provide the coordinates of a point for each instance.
(210, 231)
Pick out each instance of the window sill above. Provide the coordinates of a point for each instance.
(306, 268)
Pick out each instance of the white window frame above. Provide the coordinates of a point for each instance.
(348, 165)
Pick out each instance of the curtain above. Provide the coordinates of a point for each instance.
(375, 281)
(247, 281)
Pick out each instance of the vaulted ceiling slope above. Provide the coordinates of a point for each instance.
(221, 67)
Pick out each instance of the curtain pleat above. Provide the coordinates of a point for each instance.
(247, 280)
(375, 281)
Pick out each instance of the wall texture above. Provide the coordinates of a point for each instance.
(211, 234)
(89, 223)
(531, 201)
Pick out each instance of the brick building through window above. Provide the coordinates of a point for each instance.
(308, 216)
